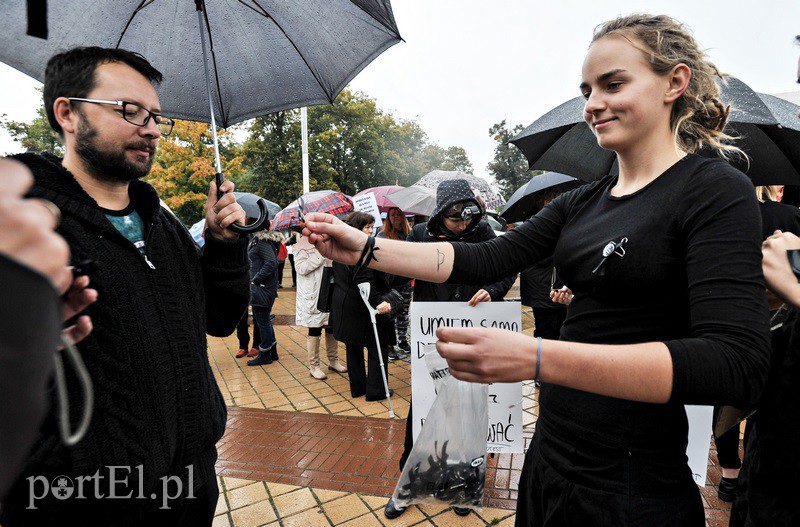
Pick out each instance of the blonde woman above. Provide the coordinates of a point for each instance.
(309, 264)
(669, 307)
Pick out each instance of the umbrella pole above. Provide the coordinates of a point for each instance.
(210, 98)
(220, 178)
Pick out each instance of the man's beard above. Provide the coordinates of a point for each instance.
(107, 165)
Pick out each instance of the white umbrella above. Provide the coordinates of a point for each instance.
(415, 199)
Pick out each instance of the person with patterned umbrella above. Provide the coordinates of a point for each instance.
(329, 201)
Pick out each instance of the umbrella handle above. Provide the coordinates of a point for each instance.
(263, 216)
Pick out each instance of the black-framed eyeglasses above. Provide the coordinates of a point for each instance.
(135, 114)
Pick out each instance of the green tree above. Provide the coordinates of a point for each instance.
(36, 136)
(353, 145)
(509, 166)
(184, 167)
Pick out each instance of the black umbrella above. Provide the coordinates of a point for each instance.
(223, 60)
(524, 203)
(249, 203)
(767, 127)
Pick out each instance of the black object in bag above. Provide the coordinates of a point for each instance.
(325, 291)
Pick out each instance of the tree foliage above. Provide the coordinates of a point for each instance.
(509, 166)
(36, 136)
(353, 145)
(184, 167)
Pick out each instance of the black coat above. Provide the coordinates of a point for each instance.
(349, 316)
(156, 400)
(535, 285)
(779, 216)
(263, 253)
(447, 292)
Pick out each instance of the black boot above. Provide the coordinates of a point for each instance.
(274, 352)
(264, 356)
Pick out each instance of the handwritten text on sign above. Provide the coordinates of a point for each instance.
(505, 400)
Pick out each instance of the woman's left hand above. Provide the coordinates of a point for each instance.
(384, 308)
(481, 296)
(486, 355)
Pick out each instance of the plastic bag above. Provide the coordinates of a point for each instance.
(448, 461)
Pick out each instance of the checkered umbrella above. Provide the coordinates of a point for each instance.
(328, 201)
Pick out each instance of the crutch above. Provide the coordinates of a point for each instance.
(364, 289)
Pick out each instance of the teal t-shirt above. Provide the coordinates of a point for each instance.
(129, 224)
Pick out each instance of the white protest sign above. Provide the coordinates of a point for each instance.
(367, 203)
(505, 400)
(699, 418)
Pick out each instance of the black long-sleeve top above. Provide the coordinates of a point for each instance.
(690, 277)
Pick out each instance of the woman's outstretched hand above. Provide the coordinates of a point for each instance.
(486, 355)
(333, 238)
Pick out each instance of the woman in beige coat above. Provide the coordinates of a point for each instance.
(309, 263)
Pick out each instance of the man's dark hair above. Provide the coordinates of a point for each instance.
(71, 74)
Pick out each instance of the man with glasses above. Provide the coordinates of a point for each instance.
(148, 456)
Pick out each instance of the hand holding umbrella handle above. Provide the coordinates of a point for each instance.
(262, 206)
(256, 225)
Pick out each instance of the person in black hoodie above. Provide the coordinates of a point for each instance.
(158, 411)
(263, 252)
(458, 217)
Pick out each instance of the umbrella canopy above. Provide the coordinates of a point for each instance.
(767, 128)
(249, 203)
(384, 203)
(491, 197)
(523, 203)
(265, 55)
(329, 201)
(415, 199)
(251, 57)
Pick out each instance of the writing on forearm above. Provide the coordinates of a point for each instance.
(439, 259)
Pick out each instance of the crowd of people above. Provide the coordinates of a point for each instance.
(664, 268)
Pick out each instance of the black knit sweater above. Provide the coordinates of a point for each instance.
(157, 402)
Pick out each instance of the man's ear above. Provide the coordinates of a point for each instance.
(65, 115)
(679, 79)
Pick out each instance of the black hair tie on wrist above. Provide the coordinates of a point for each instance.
(367, 254)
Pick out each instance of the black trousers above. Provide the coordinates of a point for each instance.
(560, 487)
(728, 446)
(367, 381)
(549, 322)
(243, 334)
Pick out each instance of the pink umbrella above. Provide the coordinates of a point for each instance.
(384, 203)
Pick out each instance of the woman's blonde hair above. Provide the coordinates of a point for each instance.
(389, 229)
(767, 193)
(698, 116)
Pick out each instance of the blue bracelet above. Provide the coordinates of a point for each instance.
(538, 359)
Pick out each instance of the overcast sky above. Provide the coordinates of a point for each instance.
(467, 64)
